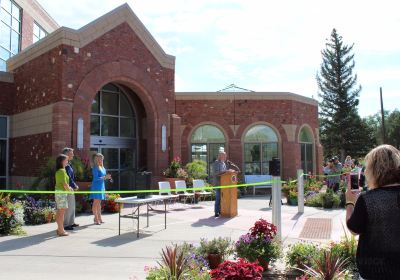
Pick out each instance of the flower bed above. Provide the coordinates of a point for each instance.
(11, 216)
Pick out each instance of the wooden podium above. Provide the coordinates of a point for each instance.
(229, 195)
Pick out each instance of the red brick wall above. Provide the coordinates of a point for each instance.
(27, 30)
(244, 114)
(71, 79)
(28, 154)
(7, 92)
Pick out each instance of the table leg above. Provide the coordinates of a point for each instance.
(138, 218)
(147, 214)
(119, 220)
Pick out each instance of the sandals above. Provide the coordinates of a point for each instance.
(96, 222)
(64, 233)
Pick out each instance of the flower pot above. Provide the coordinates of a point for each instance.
(214, 260)
(172, 182)
(292, 201)
(49, 217)
(264, 263)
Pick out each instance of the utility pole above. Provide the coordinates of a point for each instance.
(383, 119)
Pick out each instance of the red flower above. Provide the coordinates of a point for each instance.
(262, 227)
(240, 270)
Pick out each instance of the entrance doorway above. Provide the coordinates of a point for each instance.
(113, 130)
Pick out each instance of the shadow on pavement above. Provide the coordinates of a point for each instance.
(26, 241)
(119, 240)
(210, 222)
(297, 216)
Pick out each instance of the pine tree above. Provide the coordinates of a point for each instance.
(342, 130)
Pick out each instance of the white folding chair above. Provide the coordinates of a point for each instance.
(198, 183)
(180, 187)
(164, 189)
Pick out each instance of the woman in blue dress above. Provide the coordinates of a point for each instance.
(98, 184)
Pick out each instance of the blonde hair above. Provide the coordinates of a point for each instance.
(382, 166)
(95, 157)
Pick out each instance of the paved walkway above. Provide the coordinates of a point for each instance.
(97, 252)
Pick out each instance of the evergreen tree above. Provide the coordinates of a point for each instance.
(342, 130)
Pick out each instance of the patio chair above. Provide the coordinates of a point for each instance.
(164, 189)
(201, 184)
(180, 187)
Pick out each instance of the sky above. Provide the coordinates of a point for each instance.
(263, 45)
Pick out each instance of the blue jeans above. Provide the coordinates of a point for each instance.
(217, 206)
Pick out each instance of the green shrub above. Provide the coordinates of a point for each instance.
(315, 200)
(330, 199)
(300, 254)
(221, 245)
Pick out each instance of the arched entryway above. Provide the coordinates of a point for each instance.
(115, 132)
(306, 141)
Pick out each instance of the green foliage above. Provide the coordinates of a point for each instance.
(346, 249)
(327, 266)
(175, 262)
(315, 200)
(196, 169)
(392, 126)
(221, 245)
(330, 199)
(46, 178)
(290, 185)
(342, 130)
(300, 254)
(11, 216)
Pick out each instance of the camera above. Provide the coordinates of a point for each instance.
(354, 181)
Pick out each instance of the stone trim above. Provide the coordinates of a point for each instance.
(290, 130)
(88, 33)
(44, 19)
(245, 96)
(32, 122)
(6, 77)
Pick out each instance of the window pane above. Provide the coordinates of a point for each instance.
(95, 125)
(14, 42)
(127, 127)
(3, 157)
(114, 186)
(261, 133)
(2, 65)
(270, 150)
(303, 157)
(42, 34)
(110, 158)
(199, 151)
(6, 4)
(126, 109)
(111, 87)
(96, 104)
(4, 54)
(35, 39)
(109, 126)
(5, 17)
(127, 159)
(309, 157)
(16, 25)
(252, 169)
(5, 36)
(109, 103)
(252, 152)
(208, 133)
(36, 30)
(306, 135)
(16, 11)
(3, 127)
(214, 150)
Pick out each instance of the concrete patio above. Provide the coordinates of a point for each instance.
(98, 252)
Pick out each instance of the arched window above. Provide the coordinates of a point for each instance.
(205, 143)
(260, 146)
(306, 141)
(113, 126)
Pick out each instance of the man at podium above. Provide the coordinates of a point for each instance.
(220, 166)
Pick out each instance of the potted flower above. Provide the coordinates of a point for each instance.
(215, 250)
(110, 206)
(175, 172)
(259, 244)
(292, 199)
(231, 270)
(49, 214)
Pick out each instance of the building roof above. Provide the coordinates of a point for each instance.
(88, 33)
(245, 95)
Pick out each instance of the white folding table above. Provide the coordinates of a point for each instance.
(137, 202)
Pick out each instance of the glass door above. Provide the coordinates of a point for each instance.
(120, 163)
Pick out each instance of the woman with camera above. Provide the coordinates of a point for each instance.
(375, 215)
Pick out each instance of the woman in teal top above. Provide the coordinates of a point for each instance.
(98, 184)
(62, 184)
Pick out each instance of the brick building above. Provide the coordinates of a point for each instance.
(109, 87)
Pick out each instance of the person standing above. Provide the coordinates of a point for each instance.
(219, 167)
(98, 184)
(62, 184)
(375, 215)
(69, 216)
